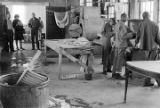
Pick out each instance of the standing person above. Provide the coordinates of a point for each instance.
(9, 33)
(122, 34)
(34, 24)
(41, 27)
(148, 38)
(19, 31)
(107, 33)
(41, 24)
(40, 31)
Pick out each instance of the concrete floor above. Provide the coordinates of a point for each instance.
(101, 92)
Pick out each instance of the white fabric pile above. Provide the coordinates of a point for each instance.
(80, 42)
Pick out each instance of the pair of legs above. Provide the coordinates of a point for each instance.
(34, 37)
(119, 60)
(10, 40)
(106, 55)
(20, 43)
(150, 55)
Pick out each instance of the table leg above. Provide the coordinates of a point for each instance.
(90, 63)
(126, 84)
(59, 65)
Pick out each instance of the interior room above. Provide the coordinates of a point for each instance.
(79, 53)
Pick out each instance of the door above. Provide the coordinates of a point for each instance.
(52, 30)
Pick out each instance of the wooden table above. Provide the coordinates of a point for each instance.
(146, 68)
(61, 49)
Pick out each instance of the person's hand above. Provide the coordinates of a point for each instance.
(112, 41)
(128, 49)
(136, 42)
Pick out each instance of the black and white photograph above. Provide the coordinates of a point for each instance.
(79, 53)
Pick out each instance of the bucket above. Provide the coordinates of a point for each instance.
(13, 96)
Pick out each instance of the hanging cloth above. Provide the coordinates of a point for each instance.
(62, 19)
(61, 12)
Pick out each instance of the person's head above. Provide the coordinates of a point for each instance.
(33, 15)
(145, 15)
(16, 16)
(112, 21)
(39, 18)
(124, 17)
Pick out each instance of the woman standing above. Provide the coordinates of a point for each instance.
(19, 31)
(107, 33)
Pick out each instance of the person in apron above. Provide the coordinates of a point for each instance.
(122, 35)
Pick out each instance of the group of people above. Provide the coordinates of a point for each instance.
(15, 30)
(116, 42)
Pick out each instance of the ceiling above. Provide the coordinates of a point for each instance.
(73, 2)
(25, 1)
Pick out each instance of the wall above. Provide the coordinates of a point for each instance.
(35, 1)
(92, 22)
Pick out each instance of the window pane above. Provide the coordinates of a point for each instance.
(81, 2)
(89, 3)
(123, 0)
(147, 6)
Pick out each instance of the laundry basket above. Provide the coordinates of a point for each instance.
(23, 96)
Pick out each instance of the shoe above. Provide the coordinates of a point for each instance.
(12, 51)
(109, 70)
(22, 49)
(104, 73)
(17, 48)
(117, 76)
(147, 82)
(148, 85)
(33, 49)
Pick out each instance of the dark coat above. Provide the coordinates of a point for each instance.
(34, 24)
(19, 30)
(148, 35)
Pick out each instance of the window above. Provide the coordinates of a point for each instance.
(81, 2)
(123, 0)
(121, 8)
(89, 3)
(147, 6)
(111, 11)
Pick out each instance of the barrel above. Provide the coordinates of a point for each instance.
(22, 96)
